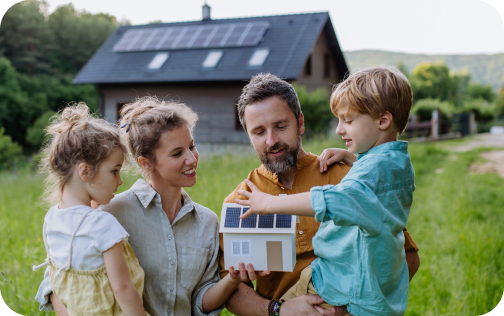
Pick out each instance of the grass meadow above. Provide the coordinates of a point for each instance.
(456, 219)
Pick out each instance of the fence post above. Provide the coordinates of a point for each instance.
(435, 125)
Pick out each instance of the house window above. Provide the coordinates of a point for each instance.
(158, 60)
(308, 66)
(212, 59)
(327, 65)
(259, 56)
(241, 248)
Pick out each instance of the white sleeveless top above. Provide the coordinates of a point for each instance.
(98, 232)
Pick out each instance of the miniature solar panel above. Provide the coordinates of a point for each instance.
(266, 221)
(232, 217)
(283, 221)
(196, 36)
(249, 222)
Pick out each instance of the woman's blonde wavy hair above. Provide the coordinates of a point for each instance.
(75, 136)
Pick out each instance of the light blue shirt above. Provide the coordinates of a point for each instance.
(360, 244)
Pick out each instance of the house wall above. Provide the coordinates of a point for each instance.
(215, 103)
(317, 78)
(258, 250)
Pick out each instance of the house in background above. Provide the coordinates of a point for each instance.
(268, 242)
(206, 63)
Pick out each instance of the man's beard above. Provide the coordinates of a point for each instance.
(282, 163)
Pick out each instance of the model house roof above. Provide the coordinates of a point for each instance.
(230, 221)
(209, 50)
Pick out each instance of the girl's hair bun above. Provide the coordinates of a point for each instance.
(74, 116)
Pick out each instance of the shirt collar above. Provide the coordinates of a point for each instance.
(301, 163)
(145, 194)
(397, 145)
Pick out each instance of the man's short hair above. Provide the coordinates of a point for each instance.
(263, 86)
(374, 91)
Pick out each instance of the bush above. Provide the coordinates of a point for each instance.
(9, 150)
(484, 110)
(316, 110)
(35, 133)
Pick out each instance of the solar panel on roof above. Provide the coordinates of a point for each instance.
(266, 221)
(190, 37)
(232, 217)
(283, 221)
(249, 222)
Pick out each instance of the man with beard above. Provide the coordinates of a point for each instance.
(270, 113)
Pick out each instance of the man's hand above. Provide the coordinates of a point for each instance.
(306, 305)
(332, 155)
(257, 200)
(245, 275)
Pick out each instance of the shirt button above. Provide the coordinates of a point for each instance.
(300, 232)
(172, 262)
(171, 288)
(168, 312)
(170, 237)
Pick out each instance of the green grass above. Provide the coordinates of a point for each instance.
(456, 220)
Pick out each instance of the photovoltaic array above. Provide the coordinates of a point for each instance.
(249, 222)
(283, 221)
(232, 217)
(266, 221)
(191, 37)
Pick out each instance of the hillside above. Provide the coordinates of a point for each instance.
(485, 69)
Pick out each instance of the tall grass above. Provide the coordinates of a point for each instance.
(456, 220)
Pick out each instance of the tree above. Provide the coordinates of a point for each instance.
(77, 36)
(435, 81)
(316, 109)
(25, 38)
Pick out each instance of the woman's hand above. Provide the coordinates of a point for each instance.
(332, 155)
(257, 200)
(244, 275)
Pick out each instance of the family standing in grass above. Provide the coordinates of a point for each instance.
(152, 250)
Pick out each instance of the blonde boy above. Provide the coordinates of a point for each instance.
(362, 218)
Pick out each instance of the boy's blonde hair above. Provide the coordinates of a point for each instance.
(144, 120)
(374, 91)
(75, 136)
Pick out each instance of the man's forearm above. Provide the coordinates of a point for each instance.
(246, 302)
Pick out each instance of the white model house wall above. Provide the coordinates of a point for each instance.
(263, 251)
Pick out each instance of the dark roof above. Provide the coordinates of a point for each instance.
(289, 38)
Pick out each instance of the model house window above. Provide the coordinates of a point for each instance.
(212, 59)
(308, 66)
(241, 248)
(259, 56)
(158, 60)
(327, 65)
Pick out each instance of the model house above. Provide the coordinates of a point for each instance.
(206, 63)
(266, 241)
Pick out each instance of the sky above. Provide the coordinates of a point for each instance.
(411, 26)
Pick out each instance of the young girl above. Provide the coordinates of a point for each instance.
(92, 268)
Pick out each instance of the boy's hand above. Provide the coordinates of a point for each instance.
(244, 275)
(332, 155)
(257, 200)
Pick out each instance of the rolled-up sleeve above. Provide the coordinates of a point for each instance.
(347, 204)
(43, 293)
(209, 279)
